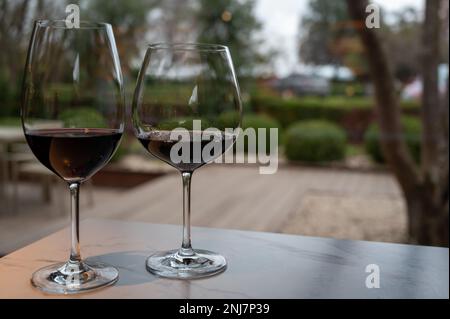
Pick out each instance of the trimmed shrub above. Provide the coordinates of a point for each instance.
(372, 143)
(82, 117)
(120, 152)
(260, 121)
(128, 145)
(412, 131)
(228, 120)
(250, 120)
(315, 141)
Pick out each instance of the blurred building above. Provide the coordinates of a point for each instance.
(302, 84)
(413, 91)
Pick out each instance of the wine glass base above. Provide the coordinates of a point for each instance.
(171, 264)
(74, 277)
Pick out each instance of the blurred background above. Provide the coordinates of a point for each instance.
(362, 116)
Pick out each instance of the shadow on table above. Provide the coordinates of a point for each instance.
(131, 266)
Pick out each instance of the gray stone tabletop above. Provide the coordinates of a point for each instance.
(260, 265)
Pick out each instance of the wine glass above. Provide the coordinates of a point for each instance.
(73, 119)
(186, 112)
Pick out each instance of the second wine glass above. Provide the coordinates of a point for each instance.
(186, 111)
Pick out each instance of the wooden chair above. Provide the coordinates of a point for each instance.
(10, 159)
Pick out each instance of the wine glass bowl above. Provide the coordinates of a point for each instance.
(186, 112)
(73, 118)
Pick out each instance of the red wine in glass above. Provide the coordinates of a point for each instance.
(161, 143)
(74, 154)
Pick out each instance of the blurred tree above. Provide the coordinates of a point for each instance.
(445, 12)
(323, 30)
(16, 17)
(175, 21)
(232, 23)
(12, 27)
(329, 37)
(426, 187)
(129, 20)
(402, 41)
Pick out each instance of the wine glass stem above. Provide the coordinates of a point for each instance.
(186, 248)
(75, 222)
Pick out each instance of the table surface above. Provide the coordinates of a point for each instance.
(260, 265)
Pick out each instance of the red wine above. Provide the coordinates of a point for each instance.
(73, 154)
(160, 144)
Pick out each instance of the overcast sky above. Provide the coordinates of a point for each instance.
(281, 20)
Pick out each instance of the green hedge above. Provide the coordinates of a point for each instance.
(289, 111)
(83, 117)
(183, 122)
(9, 95)
(345, 88)
(412, 131)
(334, 109)
(315, 141)
(10, 121)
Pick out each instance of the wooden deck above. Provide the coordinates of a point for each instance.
(238, 197)
(304, 201)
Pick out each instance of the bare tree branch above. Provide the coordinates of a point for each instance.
(388, 109)
(430, 97)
